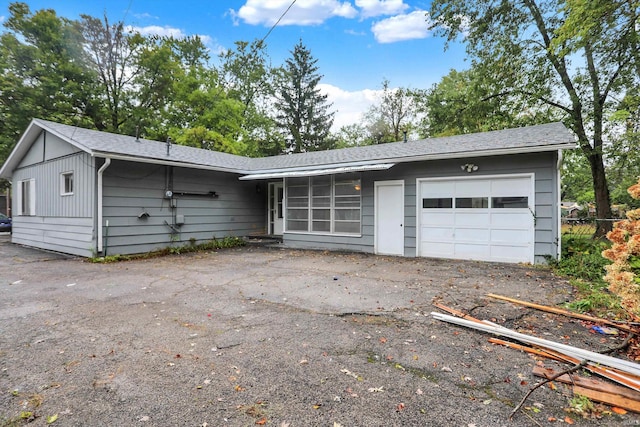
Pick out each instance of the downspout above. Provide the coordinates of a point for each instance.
(559, 202)
(107, 162)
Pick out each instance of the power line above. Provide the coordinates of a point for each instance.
(278, 21)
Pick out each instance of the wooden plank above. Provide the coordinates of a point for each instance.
(609, 399)
(530, 350)
(590, 383)
(557, 310)
(626, 366)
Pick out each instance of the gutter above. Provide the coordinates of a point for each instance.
(559, 203)
(408, 159)
(107, 162)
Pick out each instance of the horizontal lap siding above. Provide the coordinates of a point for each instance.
(67, 235)
(541, 164)
(130, 189)
(61, 223)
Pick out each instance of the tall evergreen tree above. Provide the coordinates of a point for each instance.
(302, 111)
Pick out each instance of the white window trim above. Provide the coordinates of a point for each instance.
(32, 197)
(63, 177)
(310, 212)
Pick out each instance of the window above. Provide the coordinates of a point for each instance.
(472, 202)
(437, 203)
(509, 202)
(323, 204)
(66, 183)
(27, 197)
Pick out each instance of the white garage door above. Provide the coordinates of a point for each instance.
(487, 219)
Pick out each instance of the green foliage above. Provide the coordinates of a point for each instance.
(471, 101)
(302, 111)
(392, 116)
(572, 58)
(583, 263)
(190, 246)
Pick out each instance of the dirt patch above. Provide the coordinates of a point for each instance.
(269, 336)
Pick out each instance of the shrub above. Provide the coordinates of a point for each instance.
(623, 274)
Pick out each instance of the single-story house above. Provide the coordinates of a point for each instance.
(490, 196)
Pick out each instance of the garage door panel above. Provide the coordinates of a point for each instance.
(509, 253)
(437, 217)
(511, 220)
(438, 188)
(472, 219)
(470, 228)
(511, 236)
(468, 188)
(472, 251)
(511, 187)
(437, 249)
(434, 234)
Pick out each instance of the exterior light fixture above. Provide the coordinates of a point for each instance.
(469, 167)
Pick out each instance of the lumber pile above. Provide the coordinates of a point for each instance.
(625, 393)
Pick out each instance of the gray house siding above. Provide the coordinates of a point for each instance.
(541, 164)
(62, 223)
(140, 217)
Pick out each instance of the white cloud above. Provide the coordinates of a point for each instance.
(2, 18)
(372, 8)
(414, 25)
(349, 106)
(308, 12)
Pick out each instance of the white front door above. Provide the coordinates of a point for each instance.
(276, 219)
(389, 217)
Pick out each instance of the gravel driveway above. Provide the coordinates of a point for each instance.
(272, 336)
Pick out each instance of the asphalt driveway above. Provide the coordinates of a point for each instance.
(271, 336)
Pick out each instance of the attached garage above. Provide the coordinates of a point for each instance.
(488, 218)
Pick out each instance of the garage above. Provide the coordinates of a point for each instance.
(488, 218)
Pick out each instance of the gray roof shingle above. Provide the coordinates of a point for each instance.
(543, 137)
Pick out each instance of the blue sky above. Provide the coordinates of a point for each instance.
(357, 43)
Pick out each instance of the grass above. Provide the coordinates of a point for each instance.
(583, 264)
(192, 246)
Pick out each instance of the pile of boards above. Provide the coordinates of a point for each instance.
(623, 393)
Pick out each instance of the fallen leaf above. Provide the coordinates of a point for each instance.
(552, 419)
(446, 369)
(568, 420)
(419, 392)
(261, 422)
(317, 406)
(383, 340)
(376, 389)
(238, 388)
(619, 411)
(52, 418)
(552, 386)
(400, 406)
(145, 418)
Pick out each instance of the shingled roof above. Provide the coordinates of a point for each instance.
(546, 137)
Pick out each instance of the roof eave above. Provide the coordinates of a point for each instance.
(425, 157)
(166, 162)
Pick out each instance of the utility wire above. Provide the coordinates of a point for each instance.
(278, 21)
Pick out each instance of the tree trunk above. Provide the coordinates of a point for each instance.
(601, 192)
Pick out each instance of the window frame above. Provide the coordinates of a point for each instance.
(26, 197)
(64, 191)
(318, 212)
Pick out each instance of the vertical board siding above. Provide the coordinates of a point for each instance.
(61, 223)
(131, 191)
(543, 165)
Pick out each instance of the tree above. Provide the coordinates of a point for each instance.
(465, 102)
(392, 116)
(42, 73)
(136, 74)
(248, 78)
(302, 111)
(520, 44)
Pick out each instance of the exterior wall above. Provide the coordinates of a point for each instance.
(61, 223)
(543, 165)
(131, 189)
